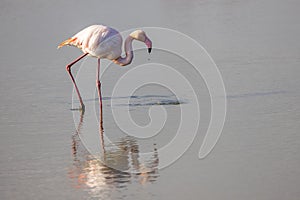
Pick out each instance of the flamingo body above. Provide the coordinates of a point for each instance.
(103, 42)
(99, 41)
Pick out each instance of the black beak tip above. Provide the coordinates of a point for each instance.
(149, 50)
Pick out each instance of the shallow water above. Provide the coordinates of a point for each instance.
(43, 155)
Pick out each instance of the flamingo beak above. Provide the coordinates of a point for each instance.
(149, 44)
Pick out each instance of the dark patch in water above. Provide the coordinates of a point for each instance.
(145, 100)
(158, 103)
(151, 100)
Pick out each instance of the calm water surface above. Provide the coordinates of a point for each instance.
(254, 44)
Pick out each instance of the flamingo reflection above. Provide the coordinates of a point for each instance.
(114, 169)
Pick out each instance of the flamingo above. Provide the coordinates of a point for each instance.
(103, 42)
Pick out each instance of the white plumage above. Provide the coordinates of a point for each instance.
(103, 42)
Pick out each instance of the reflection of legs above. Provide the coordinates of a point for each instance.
(100, 110)
(99, 94)
(75, 137)
(68, 67)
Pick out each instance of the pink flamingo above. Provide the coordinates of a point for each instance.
(103, 42)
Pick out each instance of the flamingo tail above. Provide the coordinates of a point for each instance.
(69, 41)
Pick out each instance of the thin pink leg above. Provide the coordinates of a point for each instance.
(99, 91)
(68, 67)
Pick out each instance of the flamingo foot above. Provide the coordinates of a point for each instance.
(81, 109)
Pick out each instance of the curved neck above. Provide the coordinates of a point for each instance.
(128, 51)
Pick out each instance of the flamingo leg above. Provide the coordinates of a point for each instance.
(68, 67)
(99, 92)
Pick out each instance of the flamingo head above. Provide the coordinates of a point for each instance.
(141, 36)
